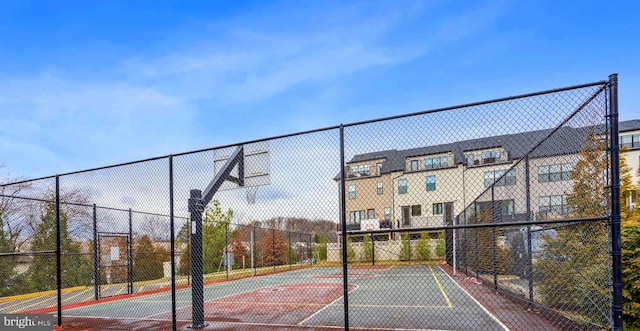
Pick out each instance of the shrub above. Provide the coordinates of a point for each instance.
(423, 251)
(405, 248)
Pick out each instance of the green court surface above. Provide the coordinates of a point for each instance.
(387, 297)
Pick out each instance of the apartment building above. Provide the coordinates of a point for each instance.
(630, 142)
(429, 186)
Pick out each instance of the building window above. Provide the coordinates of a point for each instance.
(352, 191)
(378, 168)
(379, 187)
(356, 216)
(490, 157)
(371, 214)
(554, 172)
(437, 208)
(360, 170)
(431, 183)
(402, 186)
(506, 207)
(631, 200)
(556, 204)
(471, 159)
(414, 165)
(436, 162)
(387, 213)
(416, 210)
(630, 141)
(508, 179)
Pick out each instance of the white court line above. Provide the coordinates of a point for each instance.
(214, 299)
(222, 323)
(149, 297)
(327, 306)
(476, 301)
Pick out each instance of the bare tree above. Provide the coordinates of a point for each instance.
(12, 209)
(156, 227)
(22, 203)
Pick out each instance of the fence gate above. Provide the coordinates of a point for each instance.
(115, 270)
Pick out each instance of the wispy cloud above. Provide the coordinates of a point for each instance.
(149, 104)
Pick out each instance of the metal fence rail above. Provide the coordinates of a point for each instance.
(494, 215)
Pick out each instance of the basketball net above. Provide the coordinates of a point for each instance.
(251, 193)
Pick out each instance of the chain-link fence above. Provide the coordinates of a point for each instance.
(495, 215)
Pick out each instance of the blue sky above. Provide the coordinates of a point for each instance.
(86, 84)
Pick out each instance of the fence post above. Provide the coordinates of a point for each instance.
(477, 261)
(616, 307)
(409, 244)
(253, 268)
(273, 248)
(289, 248)
(130, 248)
(226, 250)
(529, 245)
(174, 325)
(189, 251)
(58, 253)
(96, 273)
(343, 221)
(493, 237)
(310, 250)
(373, 250)
(466, 244)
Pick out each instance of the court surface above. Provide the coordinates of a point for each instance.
(386, 297)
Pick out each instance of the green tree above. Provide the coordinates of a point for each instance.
(184, 265)
(147, 260)
(367, 249)
(215, 223)
(76, 268)
(291, 255)
(423, 249)
(631, 273)
(320, 247)
(405, 247)
(630, 244)
(485, 245)
(183, 234)
(575, 261)
(441, 247)
(351, 253)
(7, 263)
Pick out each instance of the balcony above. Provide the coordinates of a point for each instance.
(384, 224)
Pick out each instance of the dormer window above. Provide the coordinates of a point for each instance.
(414, 165)
(436, 162)
(360, 170)
(630, 141)
(471, 159)
(490, 157)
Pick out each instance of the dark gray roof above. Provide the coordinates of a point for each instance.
(631, 125)
(541, 143)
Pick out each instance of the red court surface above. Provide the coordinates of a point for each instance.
(281, 304)
(280, 307)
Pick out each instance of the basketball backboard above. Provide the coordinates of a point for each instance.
(256, 164)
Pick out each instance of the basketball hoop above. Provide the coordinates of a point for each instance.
(251, 192)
